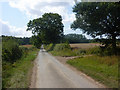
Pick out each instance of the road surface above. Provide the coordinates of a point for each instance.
(51, 73)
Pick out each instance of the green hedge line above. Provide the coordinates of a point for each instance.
(64, 49)
(11, 51)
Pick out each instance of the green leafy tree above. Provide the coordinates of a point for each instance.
(99, 19)
(49, 28)
(36, 41)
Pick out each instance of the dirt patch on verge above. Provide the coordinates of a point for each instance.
(63, 60)
(33, 76)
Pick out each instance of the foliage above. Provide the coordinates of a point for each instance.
(92, 22)
(17, 74)
(78, 52)
(64, 53)
(11, 51)
(49, 28)
(102, 51)
(36, 41)
(62, 49)
(49, 47)
(21, 41)
(102, 69)
(62, 46)
(95, 50)
(14, 59)
(76, 38)
(24, 41)
(109, 51)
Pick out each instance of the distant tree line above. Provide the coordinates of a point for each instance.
(76, 38)
(35, 40)
(19, 40)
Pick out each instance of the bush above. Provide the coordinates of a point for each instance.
(11, 51)
(79, 51)
(49, 47)
(95, 50)
(63, 46)
(108, 51)
(104, 51)
(62, 49)
(24, 50)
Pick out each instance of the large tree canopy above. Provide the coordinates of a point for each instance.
(49, 28)
(98, 19)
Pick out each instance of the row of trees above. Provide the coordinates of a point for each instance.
(76, 38)
(36, 40)
(97, 19)
(71, 38)
(20, 41)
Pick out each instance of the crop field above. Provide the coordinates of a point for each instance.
(84, 45)
(27, 46)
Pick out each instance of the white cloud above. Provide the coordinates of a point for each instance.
(10, 30)
(36, 8)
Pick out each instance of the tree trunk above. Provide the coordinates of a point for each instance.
(114, 43)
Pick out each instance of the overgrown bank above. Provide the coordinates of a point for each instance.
(17, 75)
(17, 64)
(100, 64)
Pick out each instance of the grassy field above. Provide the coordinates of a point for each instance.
(102, 69)
(17, 75)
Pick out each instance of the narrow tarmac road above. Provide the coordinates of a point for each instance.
(52, 74)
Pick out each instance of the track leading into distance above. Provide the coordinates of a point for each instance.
(52, 74)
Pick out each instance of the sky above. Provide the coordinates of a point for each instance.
(15, 14)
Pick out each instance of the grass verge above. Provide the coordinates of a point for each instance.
(102, 69)
(66, 52)
(17, 75)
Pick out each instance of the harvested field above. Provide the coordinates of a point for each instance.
(84, 45)
(28, 46)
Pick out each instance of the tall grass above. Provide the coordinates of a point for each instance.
(62, 49)
(17, 74)
(102, 69)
